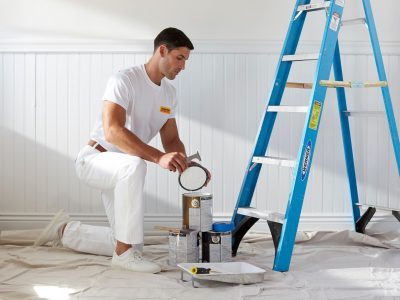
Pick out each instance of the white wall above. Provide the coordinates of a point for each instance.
(207, 19)
(50, 94)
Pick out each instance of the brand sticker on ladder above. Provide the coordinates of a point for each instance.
(316, 112)
(340, 3)
(306, 160)
(335, 21)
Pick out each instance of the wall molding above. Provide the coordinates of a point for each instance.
(38, 82)
(201, 46)
(15, 221)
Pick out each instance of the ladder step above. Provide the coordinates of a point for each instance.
(364, 113)
(276, 161)
(301, 57)
(287, 108)
(352, 84)
(264, 215)
(377, 207)
(299, 85)
(356, 21)
(314, 6)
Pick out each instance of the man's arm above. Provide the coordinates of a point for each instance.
(114, 117)
(170, 138)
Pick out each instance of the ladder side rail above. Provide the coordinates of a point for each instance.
(382, 76)
(305, 154)
(346, 137)
(268, 120)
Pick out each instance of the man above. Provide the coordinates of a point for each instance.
(138, 103)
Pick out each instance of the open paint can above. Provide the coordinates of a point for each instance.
(197, 211)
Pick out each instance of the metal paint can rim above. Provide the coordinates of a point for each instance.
(196, 194)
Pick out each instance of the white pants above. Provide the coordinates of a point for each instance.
(121, 178)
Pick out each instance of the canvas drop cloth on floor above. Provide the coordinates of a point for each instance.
(325, 265)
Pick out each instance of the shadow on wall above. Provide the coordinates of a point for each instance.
(36, 179)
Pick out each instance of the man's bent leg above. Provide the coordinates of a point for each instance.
(121, 179)
(125, 174)
(89, 239)
(129, 204)
(108, 201)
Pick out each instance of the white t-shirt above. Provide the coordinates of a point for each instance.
(148, 105)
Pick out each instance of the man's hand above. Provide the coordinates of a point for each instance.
(173, 161)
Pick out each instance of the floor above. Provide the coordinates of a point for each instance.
(325, 265)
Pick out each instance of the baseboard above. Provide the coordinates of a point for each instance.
(307, 223)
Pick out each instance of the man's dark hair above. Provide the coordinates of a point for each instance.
(172, 38)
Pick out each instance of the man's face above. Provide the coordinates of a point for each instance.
(173, 61)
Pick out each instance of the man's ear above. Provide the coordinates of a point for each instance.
(163, 50)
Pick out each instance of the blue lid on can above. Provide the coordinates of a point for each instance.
(222, 226)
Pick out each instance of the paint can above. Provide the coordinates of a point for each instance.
(197, 211)
(183, 247)
(217, 244)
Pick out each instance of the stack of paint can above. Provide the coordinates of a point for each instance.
(200, 240)
(215, 239)
(197, 217)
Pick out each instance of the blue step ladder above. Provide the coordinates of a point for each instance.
(284, 227)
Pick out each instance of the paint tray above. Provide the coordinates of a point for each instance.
(232, 272)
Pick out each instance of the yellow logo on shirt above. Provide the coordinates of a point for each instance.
(165, 110)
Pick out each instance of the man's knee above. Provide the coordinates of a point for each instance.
(136, 168)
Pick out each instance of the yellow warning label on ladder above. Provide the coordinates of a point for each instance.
(316, 111)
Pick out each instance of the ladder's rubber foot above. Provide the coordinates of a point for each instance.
(363, 221)
(396, 214)
(276, 229)
(240, 230)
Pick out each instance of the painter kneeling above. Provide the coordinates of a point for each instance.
(138, 103)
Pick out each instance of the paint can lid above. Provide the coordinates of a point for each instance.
(222, 226)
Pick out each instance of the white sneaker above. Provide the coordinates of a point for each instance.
(53, 231)
(132, 260)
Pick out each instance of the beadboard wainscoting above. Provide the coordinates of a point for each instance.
(50, 96)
